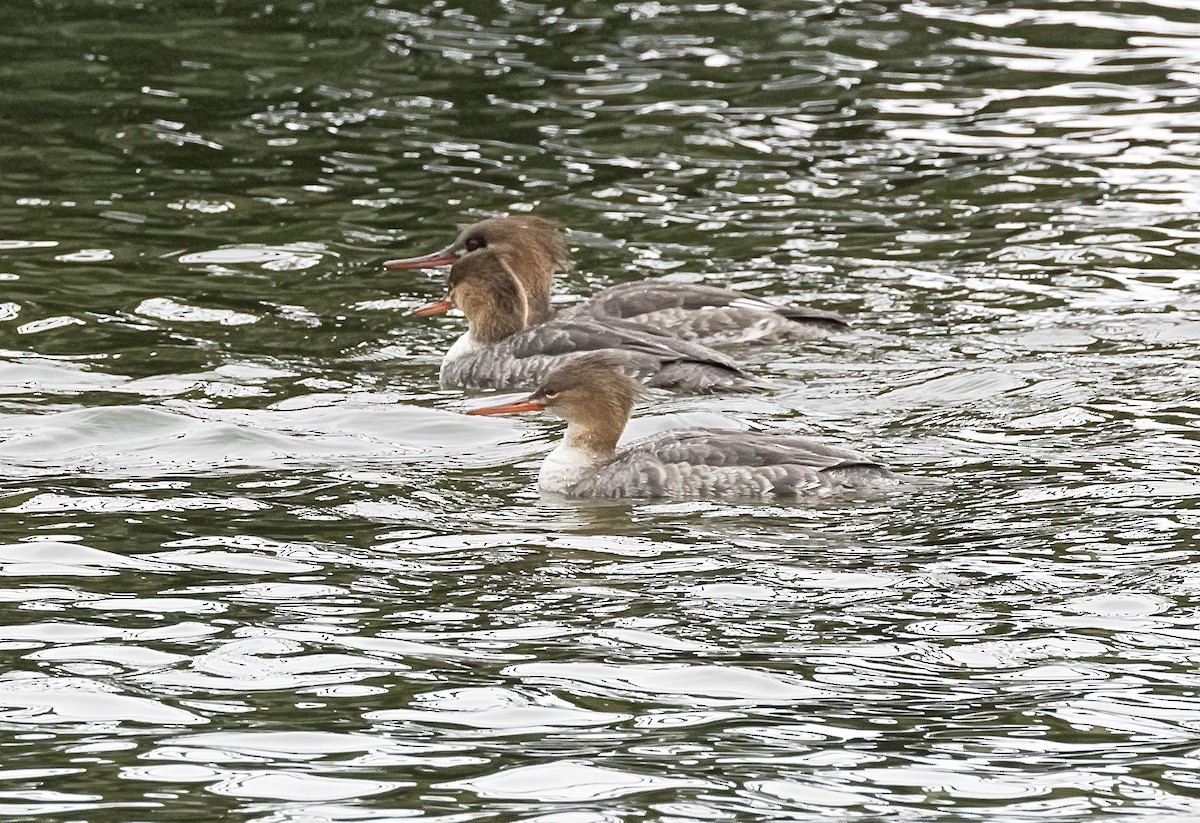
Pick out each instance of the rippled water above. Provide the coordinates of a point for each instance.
(258, 563)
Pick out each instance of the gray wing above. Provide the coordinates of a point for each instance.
(716, 462)
(659, 360)
(584, 334)
(724, 447)
(645, 296)
(628, 301)
(525, 359)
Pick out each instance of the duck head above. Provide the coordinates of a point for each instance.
(530, 248)
(494, 301)
(592, 392)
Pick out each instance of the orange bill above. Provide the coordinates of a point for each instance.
(445, 257)
(511, 408)
(436, 307)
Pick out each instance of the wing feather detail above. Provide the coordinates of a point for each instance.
(524, 359)
(718, 462)
(697, 311)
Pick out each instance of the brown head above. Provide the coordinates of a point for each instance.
(531, 248)
(592, 392)
(489, 295)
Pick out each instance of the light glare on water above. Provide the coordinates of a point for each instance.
(254, 561)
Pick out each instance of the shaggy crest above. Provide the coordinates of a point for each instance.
(532, 245)
(596, 395)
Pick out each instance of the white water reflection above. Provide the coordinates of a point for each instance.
(495, 709)
(144, 441)
(163, 308)
(568, 782)
(291, 257)
(48, 700)
(686, 685)
(256, 564)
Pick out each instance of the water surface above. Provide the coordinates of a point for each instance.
(256, 562)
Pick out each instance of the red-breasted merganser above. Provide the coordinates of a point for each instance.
(505, 349)
(532, 248)
(596, 399)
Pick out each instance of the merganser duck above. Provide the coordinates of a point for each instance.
(504, 348)
(532, 248)
(596, 399)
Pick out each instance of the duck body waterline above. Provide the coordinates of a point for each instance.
(533, 250)
(596, 398)
(714, 463)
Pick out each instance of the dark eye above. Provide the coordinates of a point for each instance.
(475, 241)
(549, 395)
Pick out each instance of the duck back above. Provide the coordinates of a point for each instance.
(723, 463)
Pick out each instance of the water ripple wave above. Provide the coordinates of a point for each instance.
(254, 561)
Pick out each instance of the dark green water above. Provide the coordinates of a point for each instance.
(256, 563)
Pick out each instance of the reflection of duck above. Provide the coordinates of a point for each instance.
(596, 399)
(505, 348)
(532, 249)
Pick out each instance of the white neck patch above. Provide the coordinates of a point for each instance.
(566, 466)
(463, 346)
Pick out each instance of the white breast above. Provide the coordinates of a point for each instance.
(565, 467)
(463, 346)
